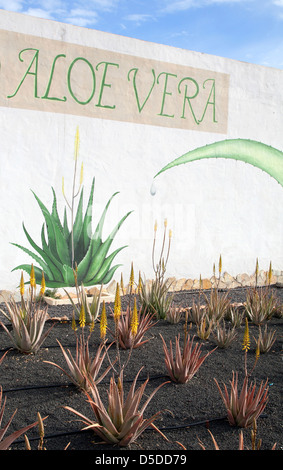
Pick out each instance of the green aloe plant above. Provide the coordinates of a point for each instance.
(90, 252)
(64, 249)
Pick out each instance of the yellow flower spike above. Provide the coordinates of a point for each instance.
(22, 285)
(165, 223)
(257, 352)
(269, 273)
(246, 340)
(82, 316)
(77, 143)
(91, 326)
(140, 283)
(103, 321)
(132, 278)
(119, 386)
(122, 284)
(220, 265)
(170, 233)
(74, 324)
(63, 186)
(42, 290)
(256, 268)
(135, 319)
(117, 304)
(32, 277)
(82, 174)
(155, 226)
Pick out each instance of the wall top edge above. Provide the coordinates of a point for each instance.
(67, 32)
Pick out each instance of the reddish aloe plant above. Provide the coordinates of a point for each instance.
(83, 367)
(126, 338)
(184, 365)
(122, 421)
(244, 408)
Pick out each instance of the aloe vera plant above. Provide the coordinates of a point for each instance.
(245, 405)
(90, 252)
(28, 321)
(121, 422)
(82, 368)
(75, 249)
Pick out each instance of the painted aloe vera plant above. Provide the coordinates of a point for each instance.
(77, 248)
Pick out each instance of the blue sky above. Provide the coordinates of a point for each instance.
(245, 30)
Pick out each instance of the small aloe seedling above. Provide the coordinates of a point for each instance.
(224, 336)
(265, 340)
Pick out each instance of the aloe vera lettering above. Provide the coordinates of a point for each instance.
(33, 71)
(113, 89)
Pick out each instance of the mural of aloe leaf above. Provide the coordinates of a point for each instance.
(91, 253)
(265, 157)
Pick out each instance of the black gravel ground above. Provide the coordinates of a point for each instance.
(189, 411)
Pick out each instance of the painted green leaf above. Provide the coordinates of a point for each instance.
(100, 254)
(57, 242)
(267, 158)
(86, 232)
(110, 274)
(54, 212)
(104, 268)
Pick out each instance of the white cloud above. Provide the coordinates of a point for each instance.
(181, 5)
(11, 5)
(39, 13)
(138, 18)
(104, 5)
(81, 17)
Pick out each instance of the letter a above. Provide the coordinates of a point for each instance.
(35, 58)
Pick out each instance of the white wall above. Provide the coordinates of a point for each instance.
(213, 206)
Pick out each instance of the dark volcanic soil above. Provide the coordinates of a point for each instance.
(189, 410)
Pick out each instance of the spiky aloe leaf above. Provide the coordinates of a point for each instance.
(53, 263)
(98, 255)
(54, 212)
(65, 226)
(57, 242)
(94, 244)
(78, 223)
(110, 274)
(83, 240)
(88, 219)
(104, 269)
(68, 275)
(49, 263)
(97, 236)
